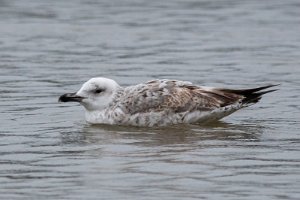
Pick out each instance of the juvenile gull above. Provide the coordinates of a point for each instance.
(159, 102)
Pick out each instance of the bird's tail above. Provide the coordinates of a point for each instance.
(253, 95)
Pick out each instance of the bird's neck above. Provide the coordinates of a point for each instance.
(106, 115)
(97, 117)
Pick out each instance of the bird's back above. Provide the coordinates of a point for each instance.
(163, 102)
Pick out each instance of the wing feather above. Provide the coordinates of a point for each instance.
(174, 96)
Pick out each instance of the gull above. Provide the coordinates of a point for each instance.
(159, 102)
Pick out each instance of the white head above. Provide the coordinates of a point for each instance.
(95, 94)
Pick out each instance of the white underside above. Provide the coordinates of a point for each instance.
(164, 118)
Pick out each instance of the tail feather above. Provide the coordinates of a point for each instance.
(252, 95)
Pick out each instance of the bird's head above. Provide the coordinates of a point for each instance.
(95, 94)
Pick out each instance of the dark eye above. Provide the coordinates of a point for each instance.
(98, 91)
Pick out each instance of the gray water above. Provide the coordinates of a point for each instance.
(48, 151)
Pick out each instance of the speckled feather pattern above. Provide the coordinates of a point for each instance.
(166, 102)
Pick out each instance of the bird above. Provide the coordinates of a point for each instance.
(161, 102)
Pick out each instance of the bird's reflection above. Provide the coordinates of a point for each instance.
(179, 134)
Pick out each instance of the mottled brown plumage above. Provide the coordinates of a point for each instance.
(175, 96)
(159, 102)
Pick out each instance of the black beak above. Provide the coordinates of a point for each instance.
(70, 97)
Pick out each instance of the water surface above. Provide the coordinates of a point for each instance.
(48, 48)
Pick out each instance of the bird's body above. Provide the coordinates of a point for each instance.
(159, 102)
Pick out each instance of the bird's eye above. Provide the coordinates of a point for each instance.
(98, 91)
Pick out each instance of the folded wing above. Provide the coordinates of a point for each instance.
(180, 96)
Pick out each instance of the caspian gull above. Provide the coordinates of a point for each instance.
(159, 102)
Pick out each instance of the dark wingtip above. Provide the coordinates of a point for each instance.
(265, 92)
(253, 96)
(254, 90)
